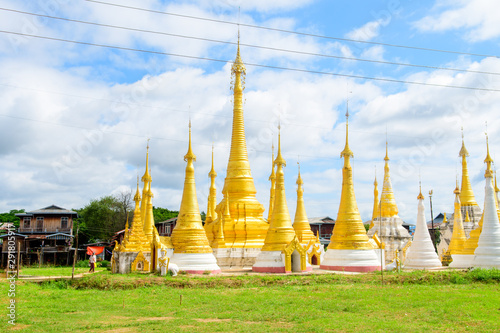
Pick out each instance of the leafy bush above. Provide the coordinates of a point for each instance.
(82, 263)
(103, 263)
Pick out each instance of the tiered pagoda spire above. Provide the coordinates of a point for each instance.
(280, 232)
(388, 207)
(188, 235)
(248, 228)
(466, 195)
(421, 254)
(349, 248)
(146, 179)
(212, 196)
(301, 222)
(134, 239)
(458, 238)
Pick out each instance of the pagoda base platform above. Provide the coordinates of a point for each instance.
(351, 261)
(274, 262)
(461, 260)
(123, 261)
(235, 257)
(196, 263)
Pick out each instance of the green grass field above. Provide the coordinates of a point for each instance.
(407, 302)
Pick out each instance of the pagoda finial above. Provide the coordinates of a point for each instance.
(488, 160)
(420, 196)
(347, 152)
(279, 158)
(137, 196)
(466, 194)
(190, 155)
(386, 158)
(375, 212)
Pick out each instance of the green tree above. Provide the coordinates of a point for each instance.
(11, 217)
(163, 214)
(102, 218)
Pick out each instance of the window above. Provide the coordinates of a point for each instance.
(64, 222)
(167, 230)
(39, 223)
(26, 222)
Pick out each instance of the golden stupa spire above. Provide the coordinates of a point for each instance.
(149, 223)
(280, 232)
(458, 237)
(471, 243)
(146, 179)
(420, 195)
(388, 205)
(349, 232)
(376, 210)
(136, 241)
(301, 222)
(249, 228)
(488, 160)
(188, 235)
(272, 178)
(466, 195)
(212, 195)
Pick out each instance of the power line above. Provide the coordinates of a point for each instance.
(251, 64)
(252, 46)
(294, 32)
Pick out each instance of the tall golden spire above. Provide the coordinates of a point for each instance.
(248, 229)
(146, 179)
(349, 232)
(272, 178)
(458, 237)
(388, 205)
(466, 195)
(135, 240)
(376, 210)
(212, 196)
(301, 222)
(188, 235)
(280, 232)
(149, 223)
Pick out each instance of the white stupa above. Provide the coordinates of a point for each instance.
(487, 254)
(421, 254)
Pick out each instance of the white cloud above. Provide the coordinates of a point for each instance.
(478, 17)
(367, 32)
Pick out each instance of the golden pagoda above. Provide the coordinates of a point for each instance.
(192, 253)
(376, 211)
(349, 248)
(301, 222)
(387, 224)
(303, 229)
(134, 253)
(134, 239)
(467, 199)
(464, 259)
(281, 233)
(458, 237)
(272, 179)
(244, 234)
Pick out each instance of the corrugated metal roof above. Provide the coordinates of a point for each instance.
(49, 210)
(321, 219)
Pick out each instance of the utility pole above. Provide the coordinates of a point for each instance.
(433, 233)
(76, 251)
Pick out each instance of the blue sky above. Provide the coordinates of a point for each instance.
(75, 118)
